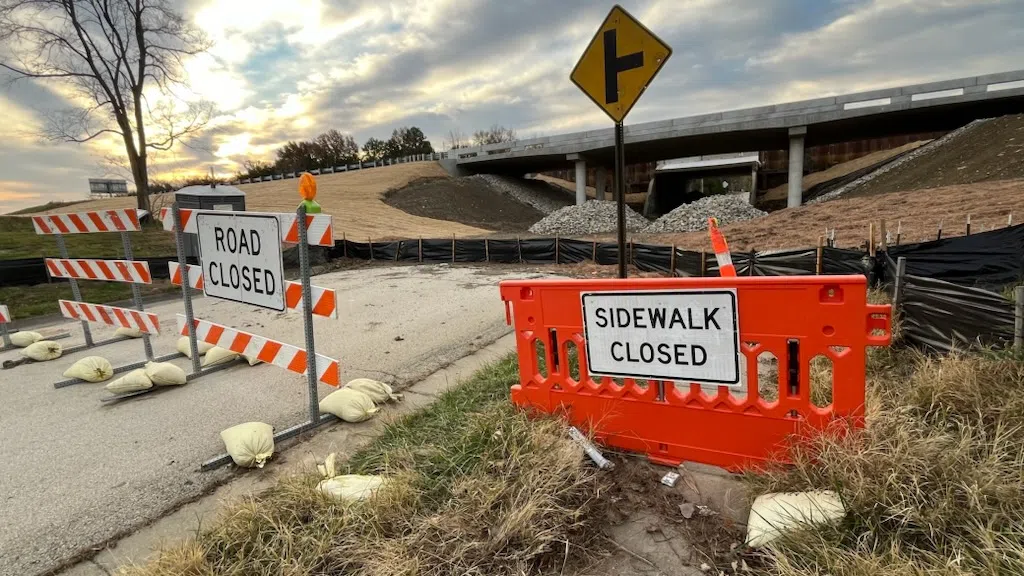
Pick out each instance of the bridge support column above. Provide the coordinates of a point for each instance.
(601, 181)
(796, 166)
(581, 181)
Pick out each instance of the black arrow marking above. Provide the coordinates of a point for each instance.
(614, 64)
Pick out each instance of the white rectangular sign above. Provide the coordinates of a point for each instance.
(679, 335)
(241, 256)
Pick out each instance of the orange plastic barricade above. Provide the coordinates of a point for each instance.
(794, 318)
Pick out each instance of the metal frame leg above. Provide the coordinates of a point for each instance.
(136, 296)
(75, 292)
(186, 290)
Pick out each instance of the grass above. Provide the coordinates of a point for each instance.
(475, 487)
(29, 301)
(19, 240)
(933, 485)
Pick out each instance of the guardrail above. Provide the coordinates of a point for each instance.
(433, 157)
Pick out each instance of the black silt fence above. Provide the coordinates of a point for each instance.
(943, 316)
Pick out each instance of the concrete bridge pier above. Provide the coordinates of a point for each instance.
(581, 181)
(796, 166)
(601, 181)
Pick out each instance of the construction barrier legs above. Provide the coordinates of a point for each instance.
(62, 249)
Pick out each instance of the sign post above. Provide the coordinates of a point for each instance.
(615, 69)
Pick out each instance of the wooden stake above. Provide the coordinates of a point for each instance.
(519, 247)
(968, 225)
(593, 255)
(344, 245)
(453, 248)
(556, 248)
(817, 261)
(899, 231)
(369, 241)
(897, 291)
(885, 235)
(871, 239)
(1018, 318)
(752, 262)
(1009, 219)
(703, 263)
(672, 261)
(939, 237)
(487, 250)
(398, 250)
(420, 251)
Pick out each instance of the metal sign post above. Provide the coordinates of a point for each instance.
(62, 249)
(614, 70)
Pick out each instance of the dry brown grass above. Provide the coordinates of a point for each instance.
(476, 488)
(353, 198)
(933, 485)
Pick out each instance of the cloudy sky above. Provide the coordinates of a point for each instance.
(289, 69)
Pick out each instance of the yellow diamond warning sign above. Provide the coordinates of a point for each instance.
(619, 63)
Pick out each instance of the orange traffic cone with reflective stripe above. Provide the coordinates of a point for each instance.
(721, 248)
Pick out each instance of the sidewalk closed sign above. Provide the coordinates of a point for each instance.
(679, 335)
(241, 256)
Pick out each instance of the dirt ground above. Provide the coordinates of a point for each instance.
(353, 198)
(840, 170)
(919, 211)
(469, 201)
(634, 199)
(992, 151)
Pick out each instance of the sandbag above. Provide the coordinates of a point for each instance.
(349, 487)
(185, 349)
(129, 332)
(249, 444)
(131, 382)
(252, 360)
(25, 338)
(42, 351)
(349, 405)
(218, 355)
(773, 514)
(379, 392)
(165, 374)
(91, 369)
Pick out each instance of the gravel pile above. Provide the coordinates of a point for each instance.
(693, 217)
(592, 217)
(535, 193)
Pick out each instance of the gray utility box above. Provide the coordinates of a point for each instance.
(226, 198)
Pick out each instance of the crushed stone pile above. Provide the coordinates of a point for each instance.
(693, 217)
(591, 217)
(526, 192)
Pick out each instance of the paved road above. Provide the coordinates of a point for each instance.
(74, 473)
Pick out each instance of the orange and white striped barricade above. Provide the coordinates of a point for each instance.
(121, 221)
(223, 273)
(629, 360)
(5, 319)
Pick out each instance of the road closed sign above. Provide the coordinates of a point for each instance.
(241, 256)
(679, 335)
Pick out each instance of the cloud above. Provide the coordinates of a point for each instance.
(283, 71)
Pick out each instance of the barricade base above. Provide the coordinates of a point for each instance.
(119, 369)
(291, 432)
(188, 378)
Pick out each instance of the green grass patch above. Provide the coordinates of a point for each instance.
(475, 487)
(30, 301)
(19, 240)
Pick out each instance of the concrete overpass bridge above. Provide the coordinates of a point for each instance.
(935, 106)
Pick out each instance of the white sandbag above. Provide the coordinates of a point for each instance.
(129, 332)
(249, 444)
(131, 382)
(91, 369)
(379, 392)
(349, 405)
(218, 355)
(185, 349)
(349, 487)
(42, 351)
(165, 374)
(25, 338)
(252, 360)
(773, 514)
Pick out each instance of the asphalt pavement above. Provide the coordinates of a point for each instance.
(75, 473)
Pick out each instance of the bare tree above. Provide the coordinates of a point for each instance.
(107, 51)
(494, 135)
(456, 139)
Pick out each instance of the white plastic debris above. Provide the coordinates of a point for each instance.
(349, 405)
(591, 450)
(91, 369)
(670, 479)
(250, 444)
(42, 350)
(773, 514)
